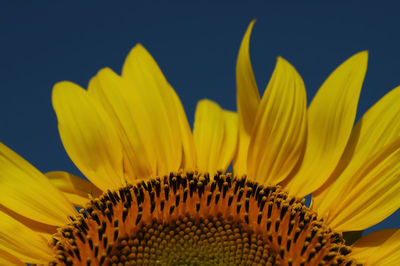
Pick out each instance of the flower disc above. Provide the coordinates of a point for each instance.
(192, 219)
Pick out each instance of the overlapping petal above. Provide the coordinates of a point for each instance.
(171, 140)
(331, 118)
(22, 242)
(380, 248)
(88, 136)
(189, 152)
(8, 259)
(142, 137)
(215, 137)
(129, 119)
(364, 188)
(75, 189)
(26, 191)
(248, 100)
(365, 194)
(279, 128)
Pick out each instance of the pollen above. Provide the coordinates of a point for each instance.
(194, 219)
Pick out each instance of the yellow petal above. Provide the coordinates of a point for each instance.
(189, 152)
(22, 242)
(248, 99)
(279, 131)
(31, 223)
(240, 157)
(378, 128)
(162, 105)
(136, 125)
(88, 136)
(229, 145)
(378, 248)
(8, 259)
(215, 137)
(365, 194)
(129, 119)
(330, 121)
(75, 189)
(26, 191)
(247, 95)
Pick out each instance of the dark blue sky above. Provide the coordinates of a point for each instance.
(195, 44)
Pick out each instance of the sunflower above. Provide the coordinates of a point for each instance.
(159, 193)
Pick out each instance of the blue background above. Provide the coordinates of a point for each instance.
(195, 45)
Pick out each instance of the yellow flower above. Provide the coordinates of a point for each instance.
(158, 193)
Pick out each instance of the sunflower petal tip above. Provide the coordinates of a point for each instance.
(58, 87)
(280, 58)
(361, 57)
(205, 100)
(136, 49)
(282, 62)
(61, 90)
(104, 70)
(139, 48)
(246, 38)
(63, 85)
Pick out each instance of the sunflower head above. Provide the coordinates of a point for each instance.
(157, 192)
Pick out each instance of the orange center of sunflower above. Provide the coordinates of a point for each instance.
(192, 219)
